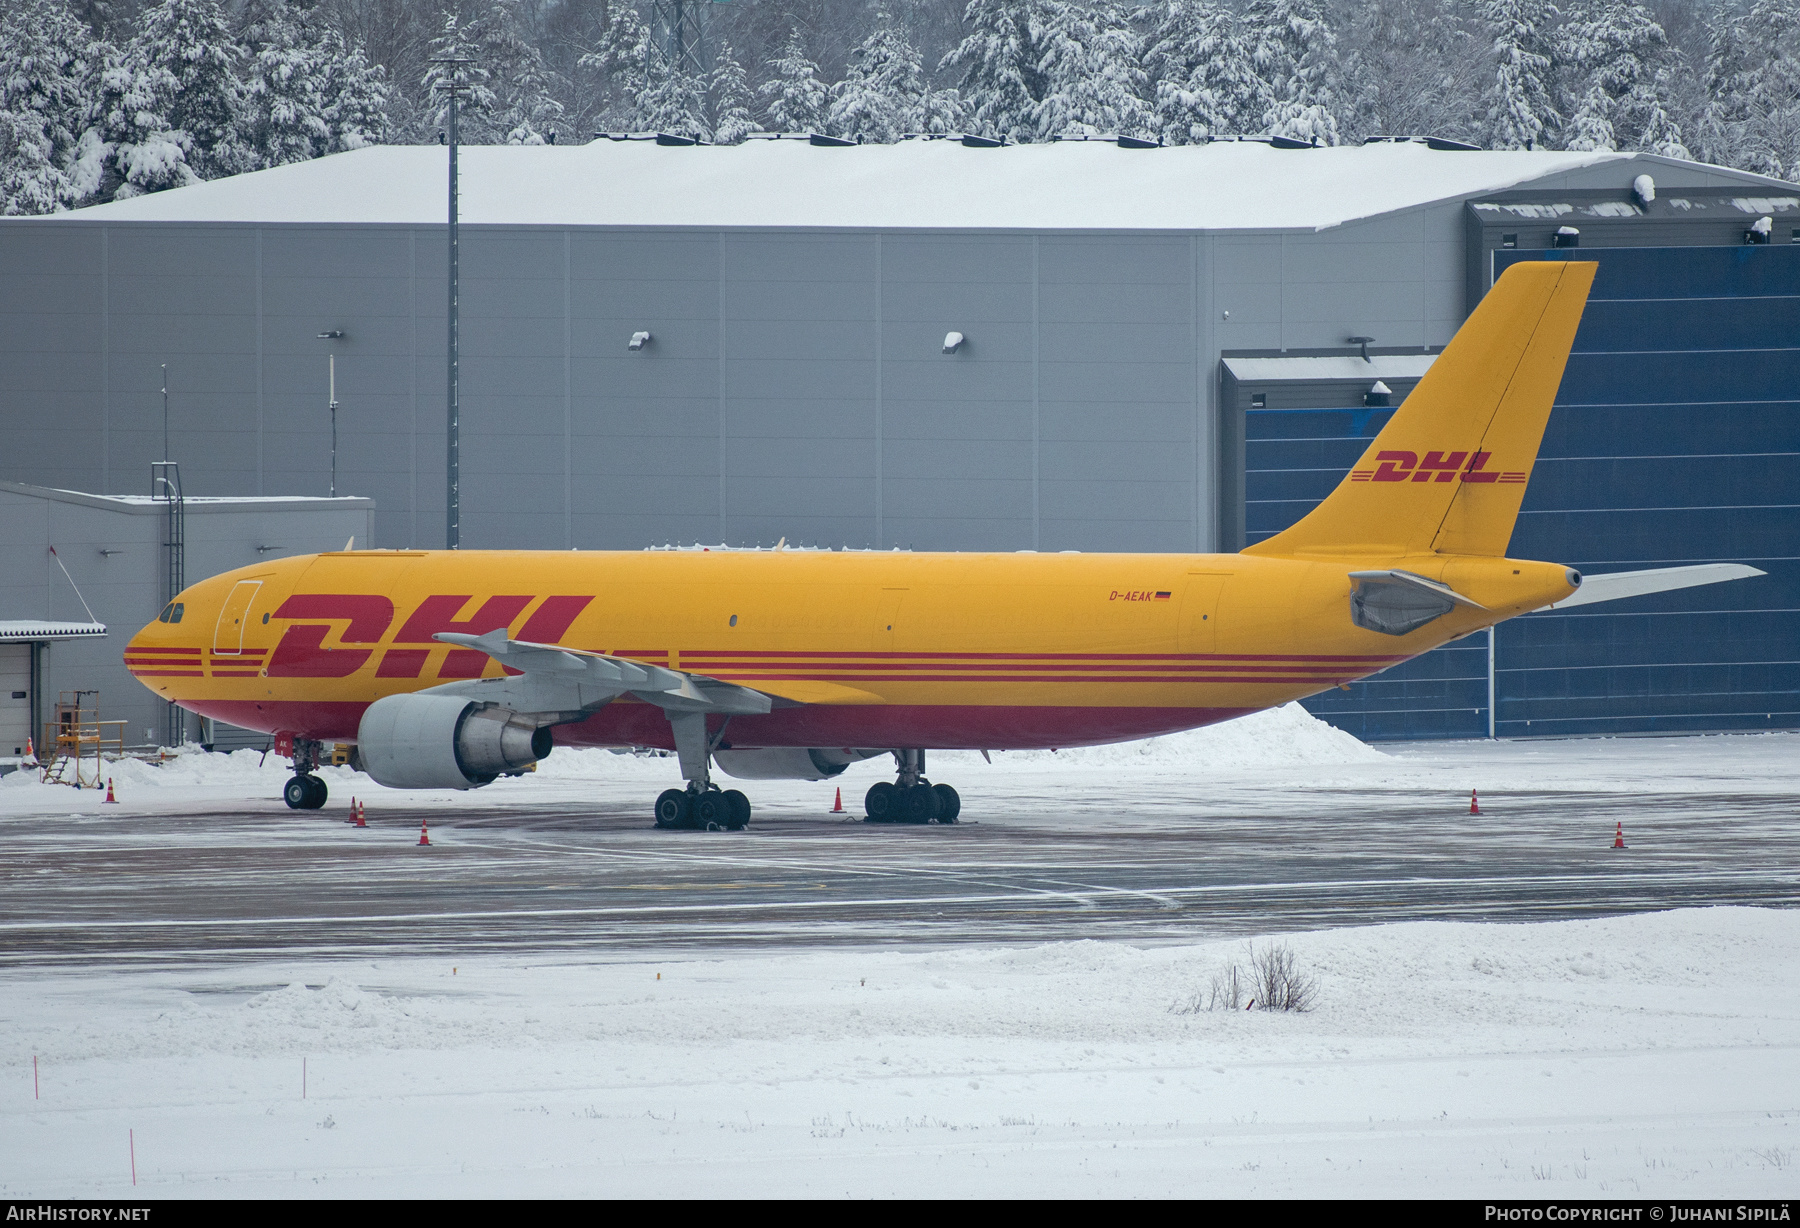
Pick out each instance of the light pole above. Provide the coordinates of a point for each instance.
(452, 407)
(165, 395)
(336, 334)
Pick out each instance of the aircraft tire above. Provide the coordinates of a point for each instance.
(740, 810)
(711, 810)
(949, 803)
(882, 803)
(673, 809)
(304, 792)
(921, 803)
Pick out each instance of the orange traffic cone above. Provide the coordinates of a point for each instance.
(1474, 806)
(424, 838)
(838, 806)
(109, 793)
(30, 752)
(1619, 836)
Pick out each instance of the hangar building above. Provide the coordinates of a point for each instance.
(1161, 349)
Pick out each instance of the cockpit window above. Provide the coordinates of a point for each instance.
(167, 610)
(172, 612)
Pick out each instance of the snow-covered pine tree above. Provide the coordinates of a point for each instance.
(1294, 50)
(999, 67)
(1519, 106)
(307, 94)
(284, 90)
(1619, 61)
(357, 96)
(47, 63)
(794, 99)
(883, 88)
(1202, 81)
(508, 95)
(1753, 81)
(728, 94)
(130, 147)
(1031, 69)
(645, 92)
(1094, 80)
(188, 46)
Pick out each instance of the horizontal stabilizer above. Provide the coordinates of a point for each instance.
(1613, 586)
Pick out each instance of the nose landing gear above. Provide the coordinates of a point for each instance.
(304, 791)
(911, 798)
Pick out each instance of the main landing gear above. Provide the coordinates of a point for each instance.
(304, 791)
(911, 798)
(702, 804)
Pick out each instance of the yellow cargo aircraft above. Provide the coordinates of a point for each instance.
(448, 669)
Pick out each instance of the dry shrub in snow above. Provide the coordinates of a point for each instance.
(1273, 981)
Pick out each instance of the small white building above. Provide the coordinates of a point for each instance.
(80, 573)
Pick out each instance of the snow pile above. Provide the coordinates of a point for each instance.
(1276, 737)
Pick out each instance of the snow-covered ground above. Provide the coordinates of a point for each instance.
(1648, 1056)
(1651, 1055)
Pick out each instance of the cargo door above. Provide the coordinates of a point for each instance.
(1199, 630)
(228, 632)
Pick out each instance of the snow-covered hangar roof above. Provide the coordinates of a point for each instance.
(915, 184)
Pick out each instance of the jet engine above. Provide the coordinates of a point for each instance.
(789, 763)
(443, 742)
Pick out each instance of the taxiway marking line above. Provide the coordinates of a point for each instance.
(1013, 897)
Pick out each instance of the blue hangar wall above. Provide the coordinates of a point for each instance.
(1674, 440)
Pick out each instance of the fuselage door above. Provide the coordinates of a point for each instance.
(228, 633)
(1200, 610)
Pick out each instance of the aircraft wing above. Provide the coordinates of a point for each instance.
(569, 681)
(1612, 586)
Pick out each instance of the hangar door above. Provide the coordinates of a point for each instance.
(15, 698)
(1675, 440)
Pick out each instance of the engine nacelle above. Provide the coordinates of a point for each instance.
(441, 742)
(789, 762)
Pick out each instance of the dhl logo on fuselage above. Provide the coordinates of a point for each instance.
(1397, 466)
(366, 619)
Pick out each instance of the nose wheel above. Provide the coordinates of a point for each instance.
(304, 791)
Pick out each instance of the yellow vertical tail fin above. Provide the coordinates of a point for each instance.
(1448, 472)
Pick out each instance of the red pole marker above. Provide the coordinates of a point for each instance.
(838, 806)
(1619, 836)
(424, 837)
(1474, 806)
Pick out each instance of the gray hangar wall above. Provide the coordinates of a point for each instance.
(794, 385)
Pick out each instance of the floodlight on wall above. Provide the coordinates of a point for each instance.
(1378, 395)
(1761, 230)
(336, 334)
(1644, 189)
(638, 341)
(952, 341)
(1363, 343)
(1566, 236)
